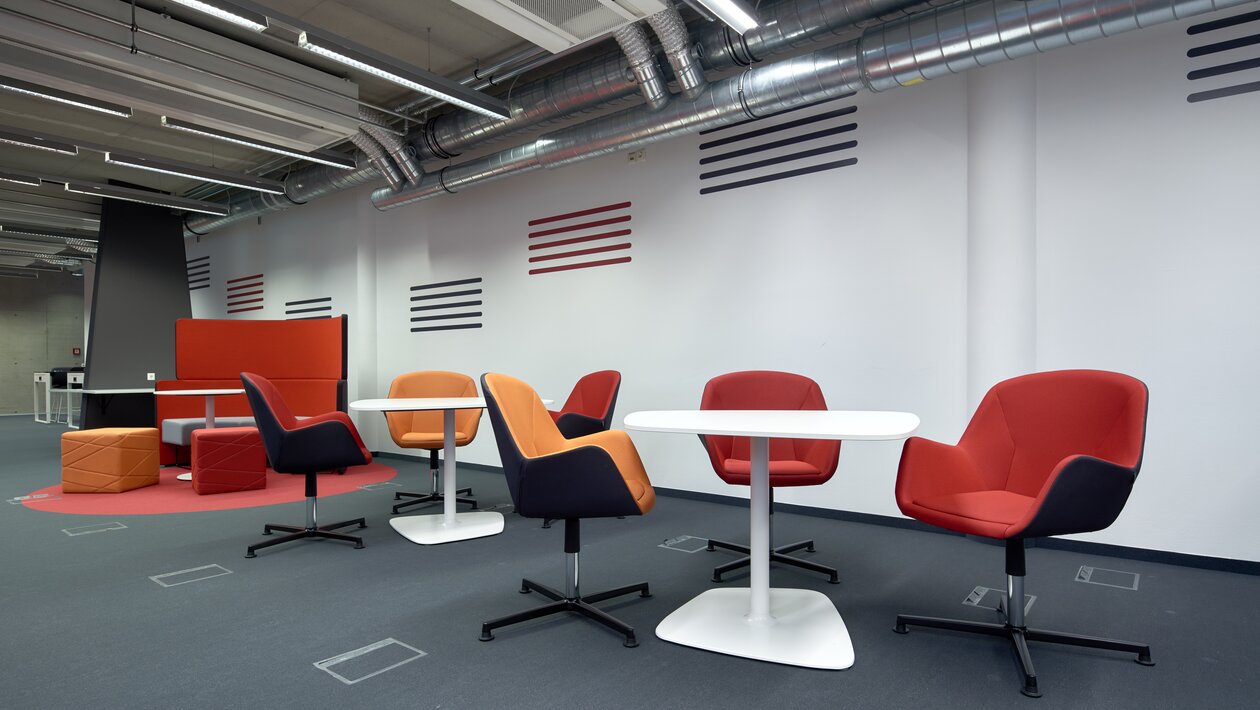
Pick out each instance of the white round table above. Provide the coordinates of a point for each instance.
(798, 627)
(450, 526)
(209, 395)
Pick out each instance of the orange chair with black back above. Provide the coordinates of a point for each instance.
(793, 462)
(1045, 454)
(590, 405)
(549, 476)
(424, 429)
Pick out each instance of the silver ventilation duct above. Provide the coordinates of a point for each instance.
(403, 154)
(920, 47)
(672, 31)
(634, 42)
(379, 159)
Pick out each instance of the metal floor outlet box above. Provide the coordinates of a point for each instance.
(372, 660)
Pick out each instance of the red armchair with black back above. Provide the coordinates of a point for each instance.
(1045, 454)
(793, 462)
(590, 405)
(319, 443)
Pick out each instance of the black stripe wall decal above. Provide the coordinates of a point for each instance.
(245, 293)
(198, 272)
(308, 309)
(430, 307)
(1238, 63)
(777, 148)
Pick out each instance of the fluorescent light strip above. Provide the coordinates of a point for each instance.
(733, 13)
(65, 97)
(195, 172)
(147, 198)
(493, 108)
(324, 157)
(228, 12)
(20, 178)
(72, 241)
(37, 142)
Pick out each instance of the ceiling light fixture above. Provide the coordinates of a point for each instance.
(65, 97)
(439, 87)
(68, 238)
(196, 172)
(228, 12)
(734, 13)
(7, 274)
(39, 142)
(324, 157)
(145, 197)
(20, 178)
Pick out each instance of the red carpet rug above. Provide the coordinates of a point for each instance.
(172, 496)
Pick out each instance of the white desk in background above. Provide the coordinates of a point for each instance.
(798, 627)
(209, 394)
(43, 381)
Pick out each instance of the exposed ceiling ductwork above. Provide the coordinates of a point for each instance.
(909, 48)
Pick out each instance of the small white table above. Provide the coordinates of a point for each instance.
(209, 395)
(798, 627)
(43, 380)
(449, 526)
(73, 378)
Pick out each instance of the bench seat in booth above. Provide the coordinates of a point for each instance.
(178, 431)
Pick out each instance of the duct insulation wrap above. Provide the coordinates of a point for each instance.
(404, 155)
(376, 156)
(899, 53)
(634, 43)
(672, 31)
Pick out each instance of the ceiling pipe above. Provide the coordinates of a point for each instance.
(379, 159)
(634, 42)
(672, 32)
(404, 156)
(903, 52)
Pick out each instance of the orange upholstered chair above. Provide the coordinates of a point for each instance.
(1051, 453)
(424, 430)
(793, 462)
(549, 476)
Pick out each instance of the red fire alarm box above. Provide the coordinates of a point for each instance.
(76, 351)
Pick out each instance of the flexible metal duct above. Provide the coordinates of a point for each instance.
(902, 52)
(403, 154)
(379, 159)
(672, 31)
(634, 42)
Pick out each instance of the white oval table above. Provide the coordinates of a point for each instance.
(209, 394)
(798, 627)
(450, 526)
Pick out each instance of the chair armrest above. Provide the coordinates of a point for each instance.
(320, 445)
(1082, 494)
(580, 482)
(929, 468)
(573, 425)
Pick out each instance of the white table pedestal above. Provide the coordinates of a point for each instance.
(804, 628)
(436, 529)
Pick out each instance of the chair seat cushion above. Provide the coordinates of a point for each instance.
(782, 473)
(430, 440)
(984, 513)
(179, 431)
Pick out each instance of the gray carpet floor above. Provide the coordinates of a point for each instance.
(86, 627)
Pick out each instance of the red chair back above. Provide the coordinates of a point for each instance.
(594, 396)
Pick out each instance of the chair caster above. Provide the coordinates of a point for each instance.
(901, 629)
(486, 636)
(249, 555)
(1144, 659)
(524, 590)
(710, 548)
(1031, 691)
(630, 642)
(835, 579)
(359, 546)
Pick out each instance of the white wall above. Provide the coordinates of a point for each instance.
(857, 277)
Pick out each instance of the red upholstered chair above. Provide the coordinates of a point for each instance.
(589, 408)
(793, 462)
(307, 446)
(1051, 453)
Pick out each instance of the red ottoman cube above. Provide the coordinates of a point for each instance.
(228, 459)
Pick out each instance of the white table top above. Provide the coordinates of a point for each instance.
(124, 390)
(200, 392)
(415, 404)
(794, 424)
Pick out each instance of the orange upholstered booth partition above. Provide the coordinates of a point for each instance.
(306, 359)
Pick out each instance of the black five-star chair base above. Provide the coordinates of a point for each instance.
(580, 605)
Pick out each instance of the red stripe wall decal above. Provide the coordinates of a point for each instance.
(239, 291)
(580, 231)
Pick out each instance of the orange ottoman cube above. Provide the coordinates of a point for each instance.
(228, 459)
(109, 460)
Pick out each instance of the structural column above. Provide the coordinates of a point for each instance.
(1002, 224)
